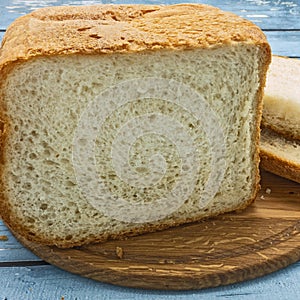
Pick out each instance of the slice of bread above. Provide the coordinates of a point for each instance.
(281, 111)
(280, 155)
(280, 136)
(120, 120)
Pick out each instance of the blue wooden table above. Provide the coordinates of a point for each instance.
(25, 276)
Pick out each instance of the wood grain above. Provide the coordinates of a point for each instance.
(223, 250)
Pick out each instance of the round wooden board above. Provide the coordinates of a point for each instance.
(226, 249)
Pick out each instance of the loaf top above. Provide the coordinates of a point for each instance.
(123, 28)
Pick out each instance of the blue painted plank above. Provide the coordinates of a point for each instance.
(284, 43)
(11, 250)
(266, 14)
(48, 282)
(1, 35)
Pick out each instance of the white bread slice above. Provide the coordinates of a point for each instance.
(281, 111)
(280, 155)
(280, 136)
(119, 120)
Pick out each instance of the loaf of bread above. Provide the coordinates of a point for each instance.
(118, 120)
(281, 111)
(280, 136)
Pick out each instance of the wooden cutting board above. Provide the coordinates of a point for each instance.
(226, 249)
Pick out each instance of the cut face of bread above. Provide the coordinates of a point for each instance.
(98, 146)
(282, 97)
(48, 96)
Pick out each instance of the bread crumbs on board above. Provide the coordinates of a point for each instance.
(268, 191)
(3, 238)
(119, 252)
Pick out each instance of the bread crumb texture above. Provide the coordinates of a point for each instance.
(282, 97)
(285, 148)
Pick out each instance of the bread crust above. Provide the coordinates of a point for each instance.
(279, 165)
(280, 130)
(16, 227)
(101, 29)
(106, 29)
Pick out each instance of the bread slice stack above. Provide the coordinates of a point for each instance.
(280, 137)
(125, 119)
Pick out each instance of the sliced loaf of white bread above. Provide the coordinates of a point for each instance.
(125, 119)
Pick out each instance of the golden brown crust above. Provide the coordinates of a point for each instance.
(265, 62)
(279, 166)
(123, 28)
(106, 29)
